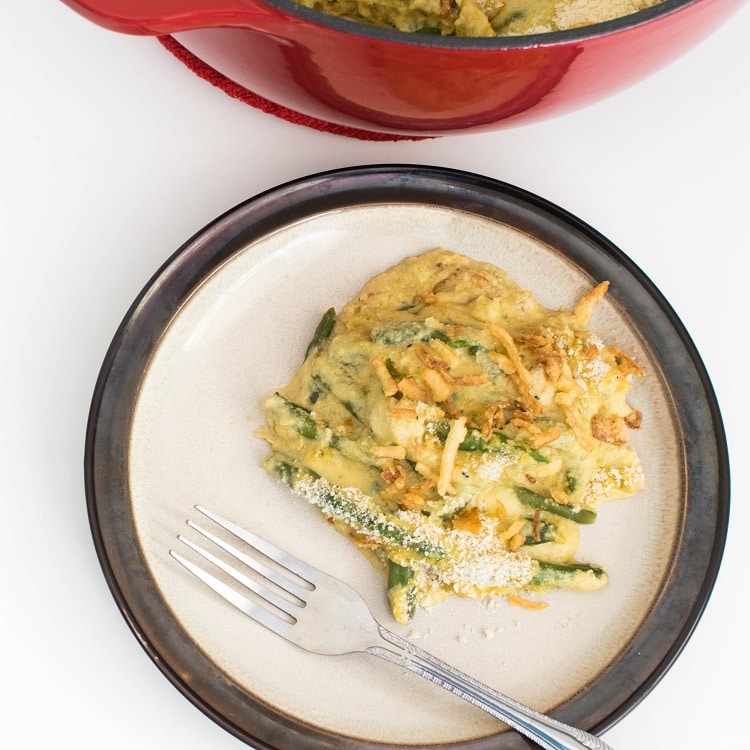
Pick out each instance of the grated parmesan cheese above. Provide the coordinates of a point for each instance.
(469, 563)
(490, 466)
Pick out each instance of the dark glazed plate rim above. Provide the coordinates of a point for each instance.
(696, 562)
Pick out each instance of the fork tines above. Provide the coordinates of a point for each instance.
(291, 588)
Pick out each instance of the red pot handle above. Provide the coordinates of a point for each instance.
(157, 17)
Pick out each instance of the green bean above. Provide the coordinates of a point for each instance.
(407, 332)
(568, 576)
(501, 25)
(322, 332)
(573, 513)
(571, 481)
(545, 532)
(300, 418)
(497, 442)
(404, 333)
(402, 593)
(474, 442)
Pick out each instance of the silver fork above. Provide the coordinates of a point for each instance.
(322, 614)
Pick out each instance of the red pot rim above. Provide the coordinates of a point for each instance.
(173, 21)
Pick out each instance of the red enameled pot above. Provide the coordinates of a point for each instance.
(386, 81)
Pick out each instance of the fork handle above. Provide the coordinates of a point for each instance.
(545, 731)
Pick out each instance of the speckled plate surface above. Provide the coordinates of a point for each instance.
(225, 321)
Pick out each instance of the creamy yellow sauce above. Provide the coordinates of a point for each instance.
(458, 432)
(480, 17)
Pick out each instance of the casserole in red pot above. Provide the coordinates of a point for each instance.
(388, 81)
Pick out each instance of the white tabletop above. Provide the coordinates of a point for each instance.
(112, 154)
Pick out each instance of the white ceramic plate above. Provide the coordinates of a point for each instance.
(226, 321)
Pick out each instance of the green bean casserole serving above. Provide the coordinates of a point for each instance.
(459, 433)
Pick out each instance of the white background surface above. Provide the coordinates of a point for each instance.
(112, 154)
